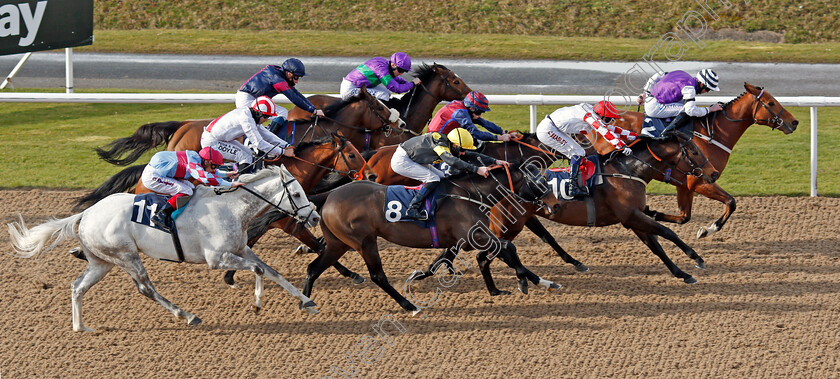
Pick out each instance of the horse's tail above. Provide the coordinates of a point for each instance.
(30, 242)
(145, 138)
(119, 182)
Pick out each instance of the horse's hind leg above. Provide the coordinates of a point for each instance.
(445, 258)
(537, 228)
(132, 264)
(646, 229)
(508, 255)
(95, 271)
(645, 224)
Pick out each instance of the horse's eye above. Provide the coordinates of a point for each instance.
(352, 156)
(457, 82)
(296, 195)
(771, 103)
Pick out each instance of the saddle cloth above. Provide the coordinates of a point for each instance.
(146, 204)
(653, 127)
(558, 178)
(397, 199)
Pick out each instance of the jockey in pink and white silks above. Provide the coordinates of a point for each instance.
(556, 131)
(273, 80)
(380, 76)
(672, 95)
(222, 133)
(168, 173)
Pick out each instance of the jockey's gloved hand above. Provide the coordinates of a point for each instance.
(627, 151)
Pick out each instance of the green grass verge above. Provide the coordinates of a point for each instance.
(442, 45)
(50, 145)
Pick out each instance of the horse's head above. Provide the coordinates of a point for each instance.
(769, 112)
(348, 161)
(683, 154)
(442, 83)
(530, 185)
(363, 111)
(286, 193)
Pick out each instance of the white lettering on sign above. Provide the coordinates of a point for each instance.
(11, 15)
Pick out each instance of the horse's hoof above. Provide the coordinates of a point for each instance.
(700, 264)
(523, 288)
(690, 280)
(500, 292)
(358, 279)
(417, 275)
(581, 267)
(554, 287)
(418, 313)
(193, 321)
(78, 253)
(83, 329)
(309, 306)
(302, 249)
(256, 308)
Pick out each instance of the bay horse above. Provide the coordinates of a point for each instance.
(314, 160)
(716, 134)
(438, 83)
(361, 114)
(212, 232)
(354, 216)
(619, 200)
(378, 168)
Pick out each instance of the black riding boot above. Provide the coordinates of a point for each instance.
(415, 209)
(577, 187)
(276, 124)
(675, 124)
(160, 217)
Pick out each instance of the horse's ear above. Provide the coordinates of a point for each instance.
(363, 92)
(339, 133)
(749, 87)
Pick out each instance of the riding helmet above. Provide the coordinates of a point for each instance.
(211, 155)
(709, 78)
(295, 66)
(264, 105)
(605, 108)
(462, 138)
(478, 101)
(401, 60)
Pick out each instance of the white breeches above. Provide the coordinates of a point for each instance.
(348, 90)
(656, 110)
(244, 100)
(561, 142)
(403, 165)
(231, 151)
(164, 185)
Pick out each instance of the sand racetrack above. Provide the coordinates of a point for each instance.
(767, 306)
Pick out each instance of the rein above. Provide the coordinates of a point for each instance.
(774, 123)
(340, 153)
(295, 208)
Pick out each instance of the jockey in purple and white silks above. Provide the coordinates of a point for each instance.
(672, 94)
(273, 80)
(380, 76)
(168, 173)
(222, 133)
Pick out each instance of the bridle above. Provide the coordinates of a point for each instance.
(774, 123)
(696, 168)
(286, 192)
(350, 173)
(449, 74)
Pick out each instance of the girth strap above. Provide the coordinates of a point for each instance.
(590, 211)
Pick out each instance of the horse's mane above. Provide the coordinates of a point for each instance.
(305, 145)
(426, 72)
(735, 99)
(332, 109)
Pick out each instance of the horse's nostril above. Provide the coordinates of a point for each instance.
(795, 123)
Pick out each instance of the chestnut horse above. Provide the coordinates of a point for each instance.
(353, 217)
(620, 199)
(716, 135)
(360, 115)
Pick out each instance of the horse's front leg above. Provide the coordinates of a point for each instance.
(685, 198)
(250, 261)
(508, 254)
(715, 192)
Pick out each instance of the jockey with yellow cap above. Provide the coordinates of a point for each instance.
(414, 158)
(556, 131)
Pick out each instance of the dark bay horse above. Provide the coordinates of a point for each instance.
(353, 217)
(360, 115)
(379, 170)
(438, 83)
(715, 135)
(619, 200)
